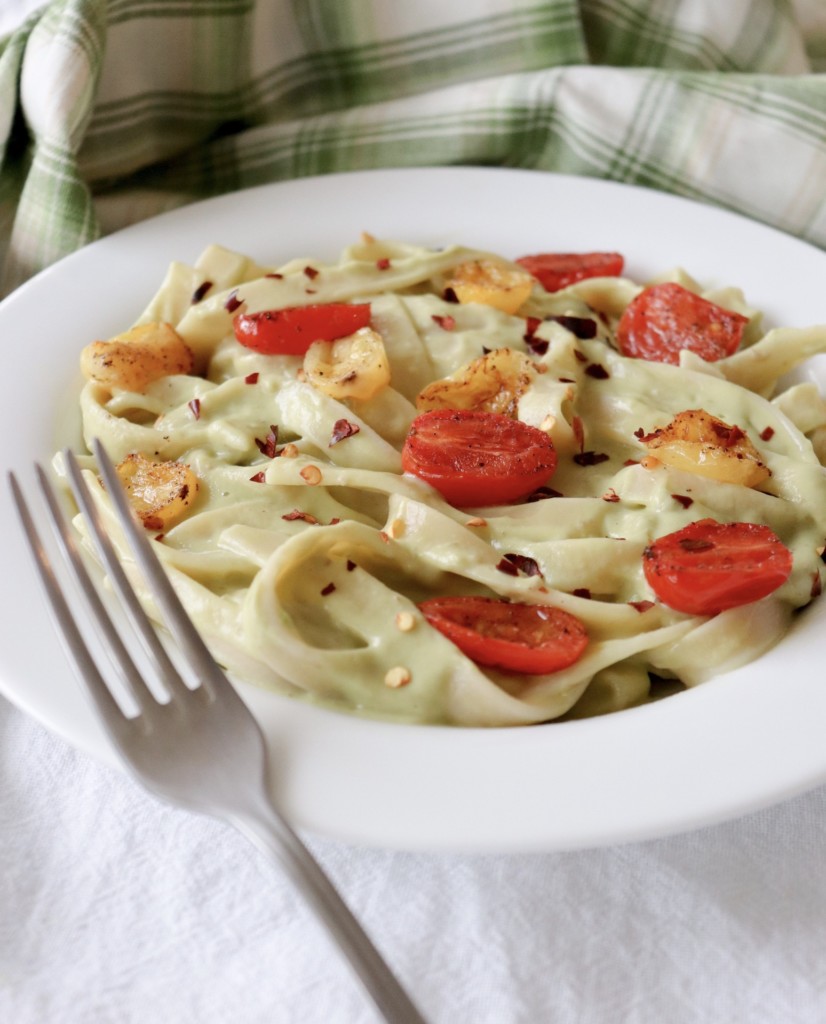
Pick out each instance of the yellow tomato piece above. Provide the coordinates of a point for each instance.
(132, 360)
(159, 492)
(697, 442)
(492, 383)
(491, 284)
(353, 367)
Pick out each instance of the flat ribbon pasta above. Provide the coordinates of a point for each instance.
(306, 554)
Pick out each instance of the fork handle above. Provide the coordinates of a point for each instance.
(273, 836)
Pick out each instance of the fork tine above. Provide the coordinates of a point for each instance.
(177, 619)
(121, 657)
(70, 634)
(164, 667)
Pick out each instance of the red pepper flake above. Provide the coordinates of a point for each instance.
(631, 462)
(817, 586)
(695, 544)
(728, 436)
(159, 537)
(259, 478)
(519, 564)
(582, 592)
(566, 380)
(611, 495)
(195, 407)
(233, 302)
(767, 434)
(591, 458)
(201, 291)
(447, 323)
(597, 371)
(304, 517)
(539, 346)
(582, 327)
(252, 378)
(269, 446)
(341, 429)
(328, 589)
(507, 567)
(531, 326)
(449, 295)
(683, 499)
(350, 565)
(641, 606)
(383, 263)
(274, 276)
(641, 435)
(578, 428)
(334, 522)
(543, 492)
(310, 272)
(580, 356)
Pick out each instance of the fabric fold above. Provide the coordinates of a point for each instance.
(62, 53)
(111, 112)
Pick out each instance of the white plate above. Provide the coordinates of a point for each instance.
(737, 743)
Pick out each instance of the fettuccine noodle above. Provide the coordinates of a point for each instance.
(304, 556)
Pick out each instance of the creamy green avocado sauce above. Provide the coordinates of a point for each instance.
(304, 571)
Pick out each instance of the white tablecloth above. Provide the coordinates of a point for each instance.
(117, 909)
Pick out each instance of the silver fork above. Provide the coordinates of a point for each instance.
(202, 749)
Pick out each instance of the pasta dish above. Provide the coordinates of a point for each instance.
(444, 486)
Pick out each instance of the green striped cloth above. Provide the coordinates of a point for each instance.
(113, 111)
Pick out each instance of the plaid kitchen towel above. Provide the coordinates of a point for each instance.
(114, 110)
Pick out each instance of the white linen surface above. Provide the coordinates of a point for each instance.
(120, 910)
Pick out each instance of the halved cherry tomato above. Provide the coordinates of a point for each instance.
(478, 458)
(555, 270)
(666, 318)
(530, 638)
(290, 332)
(708, 567)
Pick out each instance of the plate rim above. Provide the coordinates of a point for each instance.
(299, 732)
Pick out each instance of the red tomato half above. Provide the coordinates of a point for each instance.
(708, 567)
(478, 458)
(290, 332)
(666, 318)
(530, 638)
(555, 270)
